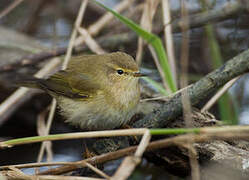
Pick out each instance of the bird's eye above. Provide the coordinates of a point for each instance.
(120, 71)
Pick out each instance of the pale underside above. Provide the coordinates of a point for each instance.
(97, 113)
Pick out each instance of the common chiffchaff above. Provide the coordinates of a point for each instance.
(95, 92)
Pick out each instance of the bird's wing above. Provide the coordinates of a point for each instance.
(71, 85)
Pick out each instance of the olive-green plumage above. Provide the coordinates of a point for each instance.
(95, 92)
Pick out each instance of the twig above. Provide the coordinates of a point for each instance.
(47, 145)
(42, 131)
(74, 33)
(112, 133)
(149, 9)
(49, 123)
(143, 144)
(195, 169)
(187, 115)
(168, 36)
(107, 133)
(215, 98)
(94, 29)
(19, 175)
(91, 43)
(140, 42)
(41, 164)
(129, 163)
(165, 98)
(12, 6)
(101, 173)
(184, 66)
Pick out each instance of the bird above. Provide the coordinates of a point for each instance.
(95, 92)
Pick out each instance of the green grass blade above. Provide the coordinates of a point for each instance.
(156, 85)
(227, 112)
(152, 39)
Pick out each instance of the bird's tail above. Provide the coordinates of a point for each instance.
(30, 82)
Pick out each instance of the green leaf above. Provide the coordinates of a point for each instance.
(156, 85)
(226, 110)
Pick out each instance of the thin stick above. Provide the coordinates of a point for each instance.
(91, 43)
(215, 98)
(195, 173)
(49, 122)
(143, 144)
(184, 67)
(74, 33)
(42, 130)
(143, 24)
(101, 173)
(165, 98)
(126, 132)
(107, 133)
(12, 6)
(105, 19)
(195, 168)
(16, 174)
(169, 37)
(129, 163)
(40, 164)
(149, 9)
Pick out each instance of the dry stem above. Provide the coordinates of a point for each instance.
(207, 134)
(130, 162)
(149, 9)
(215, 98)
(12, 6)
(169, 37)
(91, 43)
(94, 29)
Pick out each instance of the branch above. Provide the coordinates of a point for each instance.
(197, 92)
(216, 15)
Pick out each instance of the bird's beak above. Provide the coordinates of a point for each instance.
(138, 74)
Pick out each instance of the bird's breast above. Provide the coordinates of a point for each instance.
(105, 110)
(124, 98)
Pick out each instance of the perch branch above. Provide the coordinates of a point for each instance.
(197, 92)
